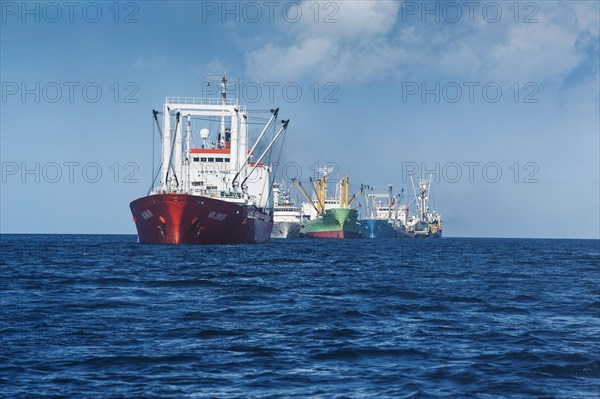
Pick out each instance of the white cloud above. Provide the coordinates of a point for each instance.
(370, 41)
(535, 52)
(345, 20)
(290, 63)
(587, 16)
(333, 50)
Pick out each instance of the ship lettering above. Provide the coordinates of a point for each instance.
(217, 216)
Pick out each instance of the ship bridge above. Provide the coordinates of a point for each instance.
(217, 161)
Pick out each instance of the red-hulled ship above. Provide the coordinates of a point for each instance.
(211, 194)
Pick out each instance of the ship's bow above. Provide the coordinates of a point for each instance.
(190, 219)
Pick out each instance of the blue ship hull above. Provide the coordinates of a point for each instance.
(373, 228)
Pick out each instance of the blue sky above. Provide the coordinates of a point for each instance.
(387, 87)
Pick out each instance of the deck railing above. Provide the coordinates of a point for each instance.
(200, 101)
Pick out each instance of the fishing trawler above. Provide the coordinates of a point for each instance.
(426, 223)
(329, 217)
(385, 217)
(287, 216)
(218, 192)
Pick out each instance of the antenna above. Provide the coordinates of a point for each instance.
(223, 80)
(223, 88)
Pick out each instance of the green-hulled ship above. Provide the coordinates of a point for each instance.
(333, 223)
(330, 218)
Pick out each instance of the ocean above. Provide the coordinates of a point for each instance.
(101, 316)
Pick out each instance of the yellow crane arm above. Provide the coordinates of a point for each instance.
(347, 191)
(323, 192)
(304, 193)
(317, 192)
(354, 197)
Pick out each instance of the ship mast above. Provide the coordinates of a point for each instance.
(188, 133)
(223, 102)
(342, 191)
(223, 88)
(390, 199)
(422, 197)
(345, 192)
(323, 191)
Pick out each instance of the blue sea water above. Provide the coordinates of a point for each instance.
(102, 316)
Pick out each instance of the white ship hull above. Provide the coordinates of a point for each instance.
(286, 230)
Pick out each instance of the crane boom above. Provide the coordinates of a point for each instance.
(304, 193)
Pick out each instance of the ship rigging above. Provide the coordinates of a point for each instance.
(222, 180)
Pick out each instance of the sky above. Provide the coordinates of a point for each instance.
(498, 101)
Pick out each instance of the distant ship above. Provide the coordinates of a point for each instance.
(287, 217)
(215, 193)
(426, 223)
(329, 217)
(385, 217)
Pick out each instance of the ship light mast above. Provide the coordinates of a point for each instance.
(422, 197)
(223, 88)
(390, 202)
(223, 102)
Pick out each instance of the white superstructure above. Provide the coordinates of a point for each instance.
(284, 210)
(425, 222)
(222, 165)
(387, 207)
